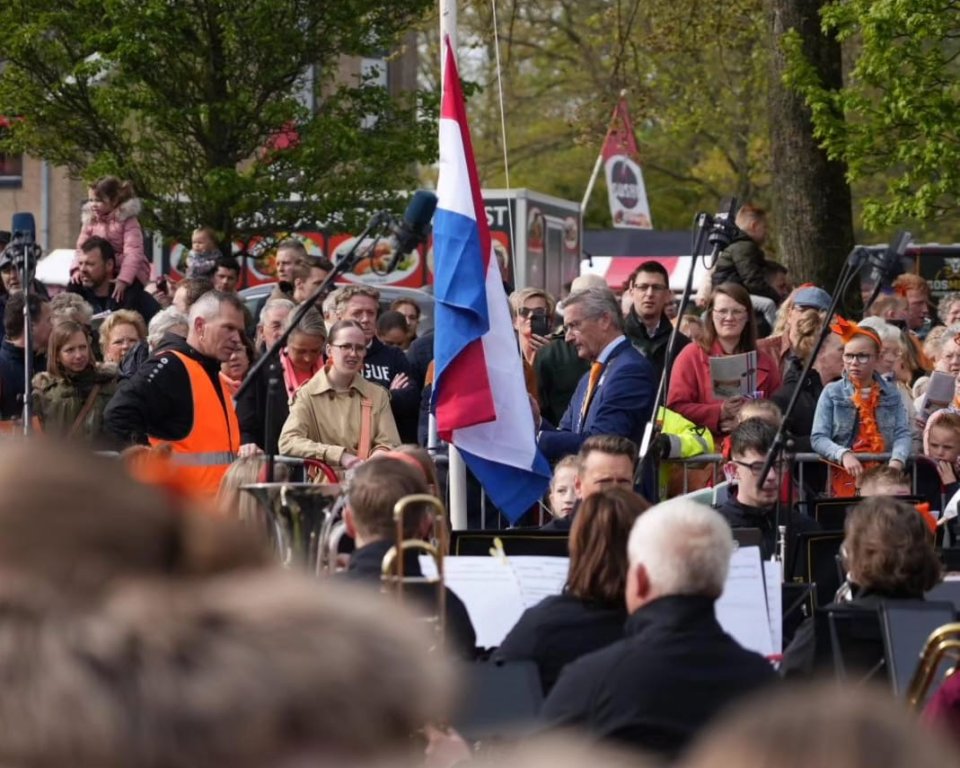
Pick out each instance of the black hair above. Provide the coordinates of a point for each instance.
(752, 435)
(227, 262)
(106, 248)
(653, 267)
(390, 320)
(13, 313)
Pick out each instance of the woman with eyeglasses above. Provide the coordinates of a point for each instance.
(860, 413)
(729, 329)
(338, 416)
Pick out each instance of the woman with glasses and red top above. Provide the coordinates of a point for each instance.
(338, 416)
(729, 329)
(860, 413)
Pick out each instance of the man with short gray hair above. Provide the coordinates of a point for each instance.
(615, 397)
(676, 668)
(178, 398)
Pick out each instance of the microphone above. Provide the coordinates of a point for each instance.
(414, 228)
(23, 228)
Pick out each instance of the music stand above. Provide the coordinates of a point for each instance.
(906, 626)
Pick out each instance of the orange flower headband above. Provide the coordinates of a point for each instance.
(847, 329)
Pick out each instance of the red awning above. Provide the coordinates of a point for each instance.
(622, 266)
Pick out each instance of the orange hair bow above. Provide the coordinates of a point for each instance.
(847, 329)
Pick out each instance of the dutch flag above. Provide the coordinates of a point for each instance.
(479, 395)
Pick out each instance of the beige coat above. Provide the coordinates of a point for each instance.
(324, 423)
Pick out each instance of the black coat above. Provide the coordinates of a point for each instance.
(252, 409)
(740, 515)
(656, 689)
(800, 423)
(135, 298)
(13, 379)
(561, 629)
(654, 348)
(380, 366)
(365, 565)
(157, 400)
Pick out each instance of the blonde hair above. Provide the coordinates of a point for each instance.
(118, 318)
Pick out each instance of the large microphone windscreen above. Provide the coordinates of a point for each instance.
(24, 227)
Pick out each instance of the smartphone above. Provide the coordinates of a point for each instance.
(540, 325)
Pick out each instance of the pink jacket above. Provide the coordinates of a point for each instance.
(691, 393)
(122, 229)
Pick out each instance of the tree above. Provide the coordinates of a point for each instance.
(811, 193)
(896, 118)
(196, 102)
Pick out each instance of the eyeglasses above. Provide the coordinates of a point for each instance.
(359, 349)
(857, 357)
(756, 467)
(652, 287)
(736, 314)
(528, 311)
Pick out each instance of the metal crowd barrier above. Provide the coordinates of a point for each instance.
(716, 461)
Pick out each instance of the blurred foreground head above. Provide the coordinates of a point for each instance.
(77, 524)
(821, 725)
(263, 670)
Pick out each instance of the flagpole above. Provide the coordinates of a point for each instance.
(456, 468)
(596, 165)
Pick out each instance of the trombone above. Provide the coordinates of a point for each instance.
(391, 568)
(943, 643)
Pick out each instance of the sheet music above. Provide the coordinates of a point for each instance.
(773, 580)
(540, 577)
(742, 608)
(490, 590)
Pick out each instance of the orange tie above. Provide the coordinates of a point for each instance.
(595, 370)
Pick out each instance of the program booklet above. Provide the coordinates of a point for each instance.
(734, 375)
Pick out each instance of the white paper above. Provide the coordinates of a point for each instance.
(496, 591)
(773, 580)
(742, 608)
(940, 393)
(540, 576)
(733, 375)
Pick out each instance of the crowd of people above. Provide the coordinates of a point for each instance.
(163, 611)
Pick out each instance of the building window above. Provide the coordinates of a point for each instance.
(11, 170)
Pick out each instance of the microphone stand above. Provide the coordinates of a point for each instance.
(705, 225)
(858, 256)
(272, 356)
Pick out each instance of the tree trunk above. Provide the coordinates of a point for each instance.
(812, 201)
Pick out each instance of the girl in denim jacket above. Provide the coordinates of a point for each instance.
(860, 413)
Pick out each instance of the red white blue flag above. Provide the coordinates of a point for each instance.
(479, 395)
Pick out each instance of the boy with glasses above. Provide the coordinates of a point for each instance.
(753, 503)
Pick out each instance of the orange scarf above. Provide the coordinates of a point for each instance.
(868, 439)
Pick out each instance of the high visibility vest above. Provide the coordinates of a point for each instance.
(206, 453)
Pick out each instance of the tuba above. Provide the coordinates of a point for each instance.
(296, 516)
(391, 570)
(944, 642)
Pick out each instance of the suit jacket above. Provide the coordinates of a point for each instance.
(622, 404)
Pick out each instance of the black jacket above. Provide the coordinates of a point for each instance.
(365, 565)
(561, 629)
(800, 424)
(156, 401)
(380, 366)
(135, 297)
(252, 409)
(657, 688)
(742, 516)
(420, 355)
(743, 262)
(559, 369)
(12, 373)
(654, 348)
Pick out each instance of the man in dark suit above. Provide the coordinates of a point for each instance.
(676, 669)
(615, 397)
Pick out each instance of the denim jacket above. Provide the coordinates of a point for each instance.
(835, 420)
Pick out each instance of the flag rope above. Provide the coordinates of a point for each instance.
(503, 131)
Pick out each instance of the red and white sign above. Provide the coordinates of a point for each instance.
(629, 207)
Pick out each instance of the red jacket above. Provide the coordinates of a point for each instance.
(691, 394)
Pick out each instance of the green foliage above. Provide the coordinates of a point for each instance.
(695, 77)
(184, 98)
(895, 123)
